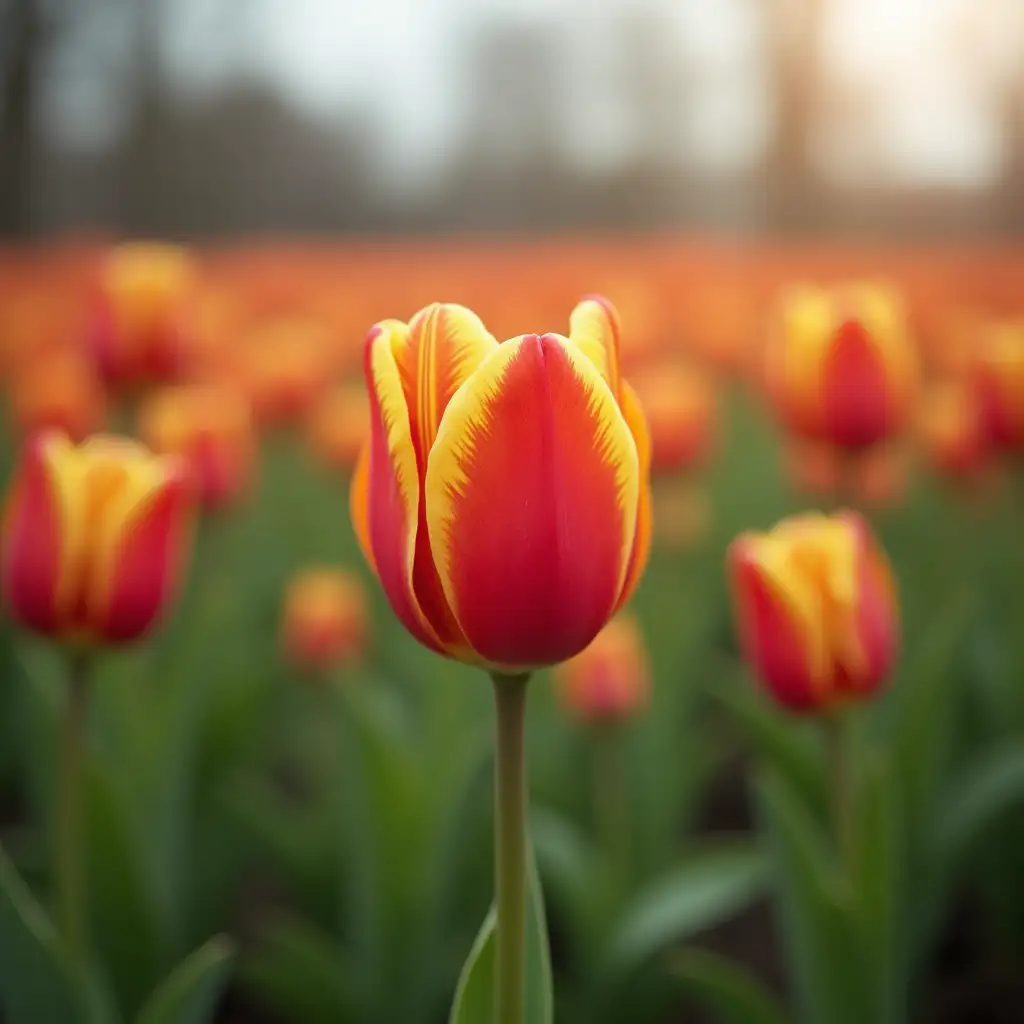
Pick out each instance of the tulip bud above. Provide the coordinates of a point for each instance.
(137, 330)
(326, 620)
(211, 429)
(95, 537)
(679, 404)
(339, 426)
(816, 609)
(1000, 384)
(840, 365)
(951, 430)
(610, 679)
(57, 391)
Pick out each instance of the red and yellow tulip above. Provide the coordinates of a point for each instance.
(211, 429)
(503, 498)
(339, 425)
(57, 391)
(840, 365)
(95, 537)
(816, 609)
(139, 315)
(951, 429)
(679, 404)
(326, 620)
(609, 680)
(1000, 383)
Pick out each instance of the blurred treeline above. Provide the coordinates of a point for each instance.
(246, 157)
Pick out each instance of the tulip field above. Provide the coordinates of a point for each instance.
(609, 630)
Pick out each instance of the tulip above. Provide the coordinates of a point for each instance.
(880, 476)
(840, 365)
(325, 620)
(502, 499)
(952, 431)
(95, 538)
(137, 330)
(58, 391)
(210, 428)
(339, 426)
(682, 515)
(679, 405)
(814, 468)
(816, 610)
(610, 679)
(1000, 384)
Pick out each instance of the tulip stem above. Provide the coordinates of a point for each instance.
(69, 863)
(611, 806)
(510, 848)
(839, 739)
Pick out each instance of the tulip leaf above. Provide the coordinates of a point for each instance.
(984, 792)
(696, 894)
(474, 994)
(37, 979)
(189, 994)
(814, 909)
(733, 995)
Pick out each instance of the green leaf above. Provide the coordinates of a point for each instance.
(37, 981)
(694, 895)
(994, 784)
(189, 994)
(474, 994)
(731, 993)
(814, 909)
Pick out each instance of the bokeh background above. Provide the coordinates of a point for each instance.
(324, 164)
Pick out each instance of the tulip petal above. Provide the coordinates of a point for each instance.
(32, 541)
(532, 490)
(394, 482)
(594, 328)
(359, 505)
(443, 345)
(633, 413)
(856, 407)
(146, 536)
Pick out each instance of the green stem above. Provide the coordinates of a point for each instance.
(611, 807)
(510, 848)
(69, 853)
(839, 739)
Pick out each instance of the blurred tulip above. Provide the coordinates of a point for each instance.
(326, 620)
(951, 429)
(881, 476)
(610, 679)
(95, 537)
(503, 498)
(840, 365)
(1000, 383)
(339, 425)
(681, 515)
(816, 609)
(283, 364)
(814, 468)
(57, 390)
(211, 429)
(138, 322)
(679, 404)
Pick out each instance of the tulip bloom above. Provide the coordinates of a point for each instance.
(679, 405)
(840, 365)
(339, 426)
(138, 320)
(503, 497)
(57, 391)
(816, 609)
(95, 537)
(609, 680)
(1000, 384)
(211, 429)
(952, 431)
(325, 620)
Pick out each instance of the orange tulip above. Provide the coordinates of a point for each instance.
(60, 391)
(1000, 383)
(95, 537)
(325, 621)
(840, 365)
(816, 609)
(609, 680)
(211, 429)
(951, 429)
(339, 425)
(137, 329)
(503, 498)
(679, 404)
